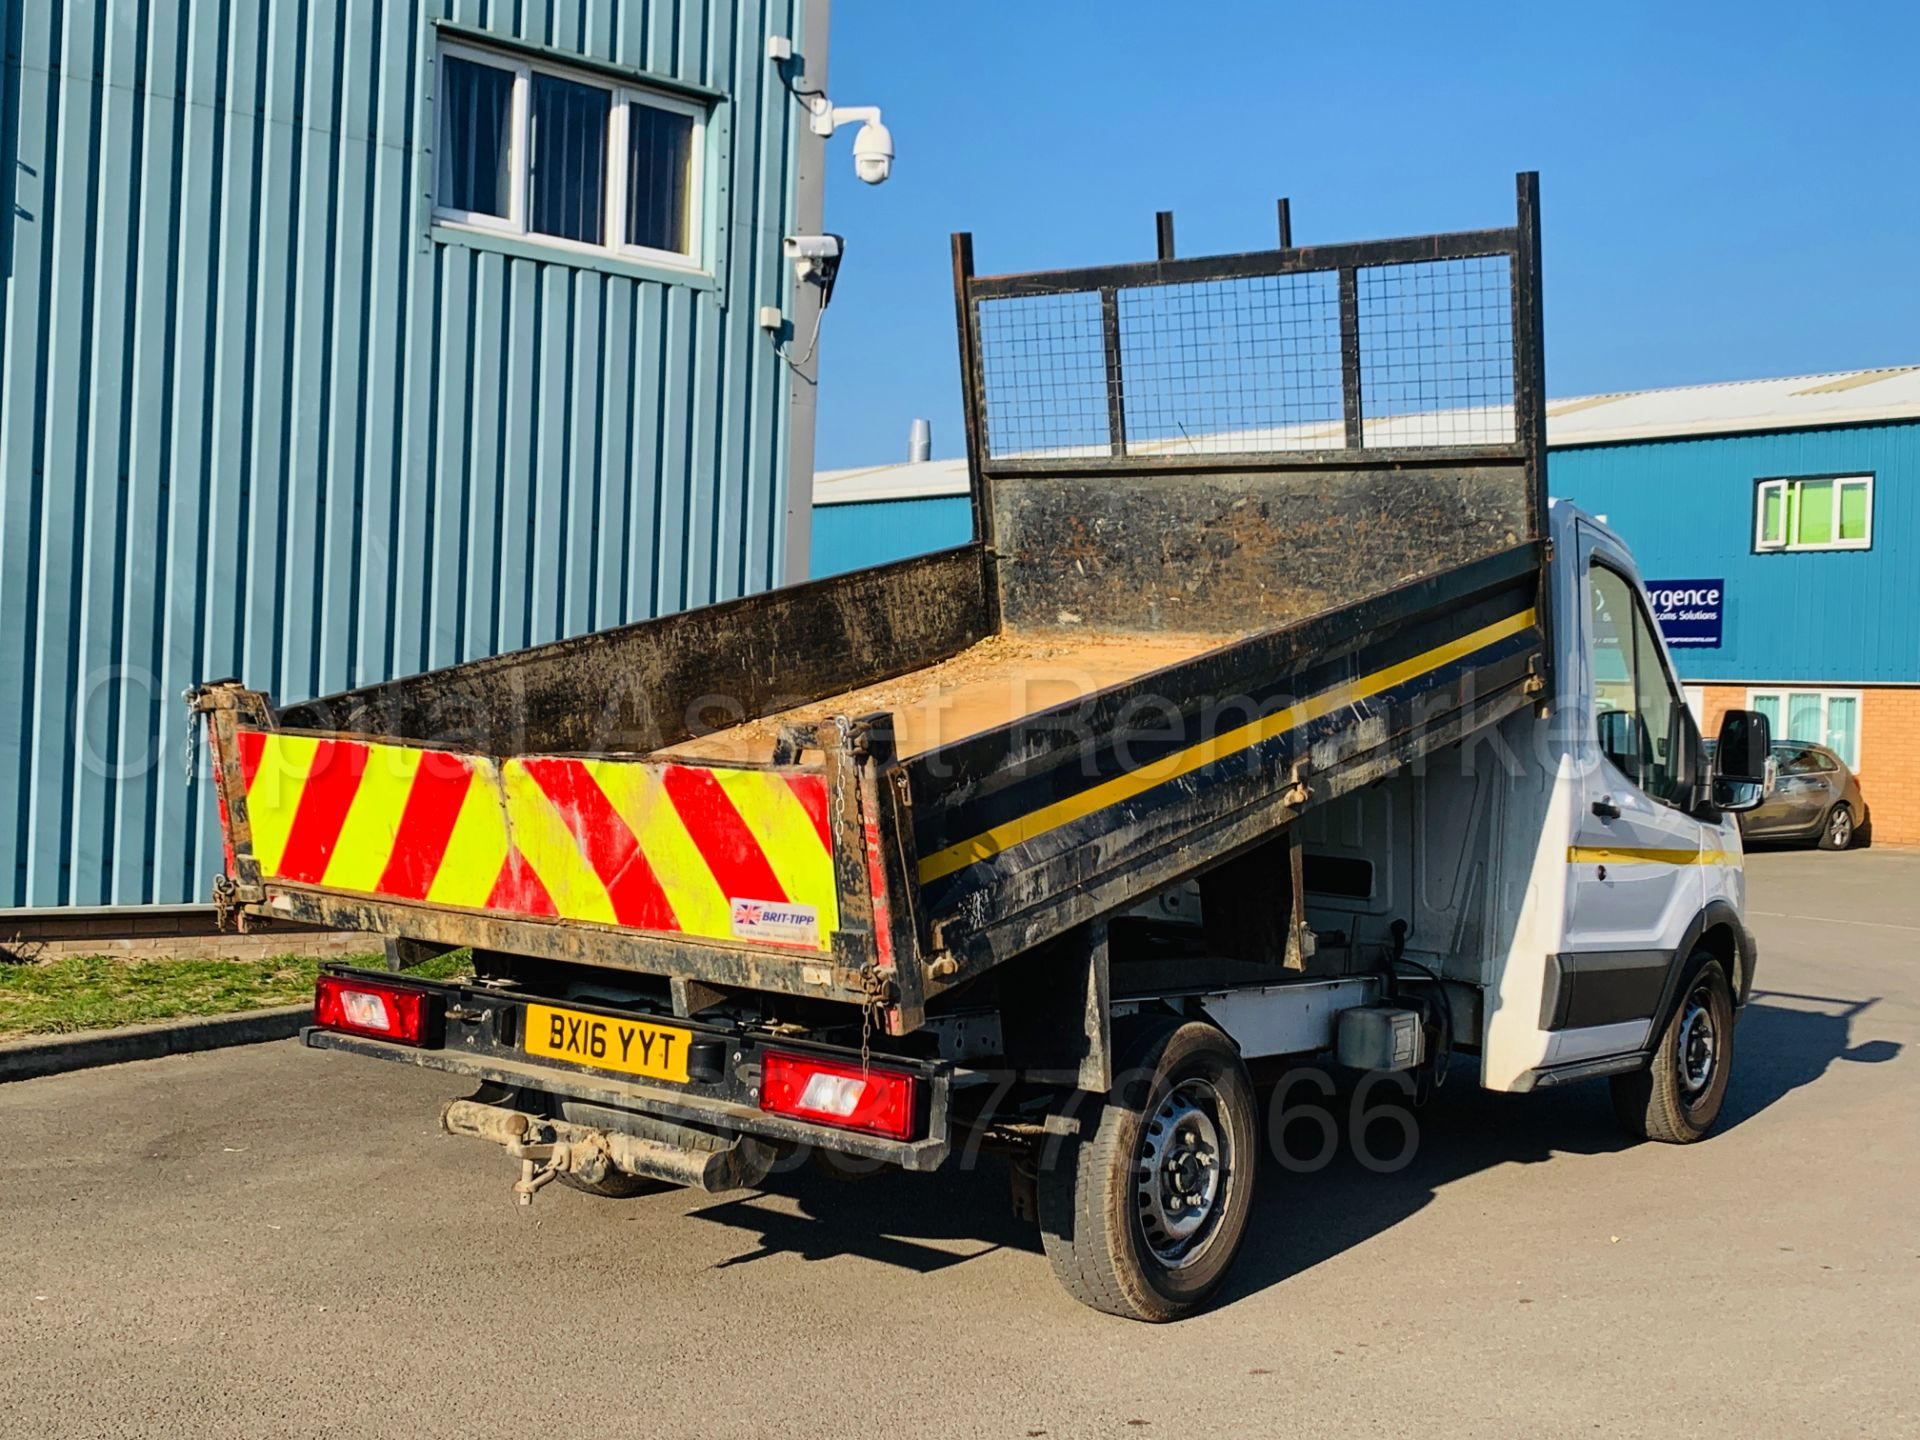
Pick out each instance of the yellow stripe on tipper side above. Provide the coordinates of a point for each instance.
(273, 799)
(372, 825)
(680, 870)
(1184, 762)
(477, 848)
(1646, 855)
(541, 835)
(802, 865)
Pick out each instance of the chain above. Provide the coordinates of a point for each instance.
(224, 901)
(875, 986)
(192, 748)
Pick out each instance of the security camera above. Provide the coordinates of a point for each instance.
(872, 147)
(873, 152)
(811, 247)
(815, 258)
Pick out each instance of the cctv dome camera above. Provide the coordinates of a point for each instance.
(873, 152)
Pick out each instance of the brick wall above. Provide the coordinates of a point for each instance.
(1889, 752)
(1890, 762)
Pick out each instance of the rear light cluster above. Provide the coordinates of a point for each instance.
(366, 1007)
(873, 1099)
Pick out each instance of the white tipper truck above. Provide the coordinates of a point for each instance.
(1272, 713)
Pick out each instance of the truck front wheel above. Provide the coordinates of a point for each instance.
(1678, 1096)
(1143, 1209)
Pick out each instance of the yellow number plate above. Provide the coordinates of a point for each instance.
(633, 1047)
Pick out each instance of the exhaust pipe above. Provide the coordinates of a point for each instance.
(673, 1155)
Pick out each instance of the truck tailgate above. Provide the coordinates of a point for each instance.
(718, 852)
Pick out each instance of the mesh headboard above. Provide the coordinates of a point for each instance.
(1226, 443)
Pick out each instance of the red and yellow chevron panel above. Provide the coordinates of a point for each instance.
(717, 853)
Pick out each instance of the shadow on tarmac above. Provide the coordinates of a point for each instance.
(1305, 1213)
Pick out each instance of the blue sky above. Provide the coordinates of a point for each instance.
(1728, 191)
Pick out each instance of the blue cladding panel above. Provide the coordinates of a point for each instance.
(1686, 508)
(254, 422)
(873, 532)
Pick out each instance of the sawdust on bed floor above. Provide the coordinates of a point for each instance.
(989, 684)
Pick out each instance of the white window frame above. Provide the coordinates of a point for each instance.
(1784, 486)
(1784, 694)
(515, 220)
(612, 221)
(626, 95)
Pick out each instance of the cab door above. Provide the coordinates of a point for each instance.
(1635, 861)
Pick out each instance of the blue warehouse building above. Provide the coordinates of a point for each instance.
(1777, 523)
(1798, 501)
(342, 341)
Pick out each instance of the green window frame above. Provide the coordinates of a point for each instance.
(1813, 512)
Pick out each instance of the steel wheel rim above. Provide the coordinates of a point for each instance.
(1183, 1173)
(1840, 826)
(1698, 1049)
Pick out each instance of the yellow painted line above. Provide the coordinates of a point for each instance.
(372, 825)
(274, 797)
(1184, 762)
(784, 830)
(1645, 855)
(544, 840)
(477, 848)
(636, 793)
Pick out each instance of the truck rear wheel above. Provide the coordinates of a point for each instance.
(614, 1185)
(1143, 1211)
(1678, 1096)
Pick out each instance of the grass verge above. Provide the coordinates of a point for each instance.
(98, 992)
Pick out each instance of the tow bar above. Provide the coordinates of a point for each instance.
(695, 1159)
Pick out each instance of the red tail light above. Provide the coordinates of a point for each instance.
(873, 1099)
(366, 1007)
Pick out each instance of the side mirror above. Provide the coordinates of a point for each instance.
(1742, 761)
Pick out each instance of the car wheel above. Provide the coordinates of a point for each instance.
(1837, 832)
(1677, 1097)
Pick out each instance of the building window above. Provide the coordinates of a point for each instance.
(1819, 512)
(529, 149)
(1820, 717)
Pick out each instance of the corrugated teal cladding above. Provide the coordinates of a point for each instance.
(874, 532)
(256, 420)
(1686, 506)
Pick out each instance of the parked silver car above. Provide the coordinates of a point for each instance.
(1816, 797)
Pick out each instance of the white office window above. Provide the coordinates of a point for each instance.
(1814, 512)
(566, 157)
(1820, 717)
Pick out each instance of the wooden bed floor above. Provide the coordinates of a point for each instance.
(984, 687)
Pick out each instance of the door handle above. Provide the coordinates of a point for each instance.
(1606, 809)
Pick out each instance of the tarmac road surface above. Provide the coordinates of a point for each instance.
(271, 1241)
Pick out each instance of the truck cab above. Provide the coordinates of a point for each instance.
(1568, 867)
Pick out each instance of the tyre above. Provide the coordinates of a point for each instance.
(614, 1185)
(1837, 831)
(1143, 1210)
(1678, 1096)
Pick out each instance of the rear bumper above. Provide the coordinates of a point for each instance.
(479, 1039)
